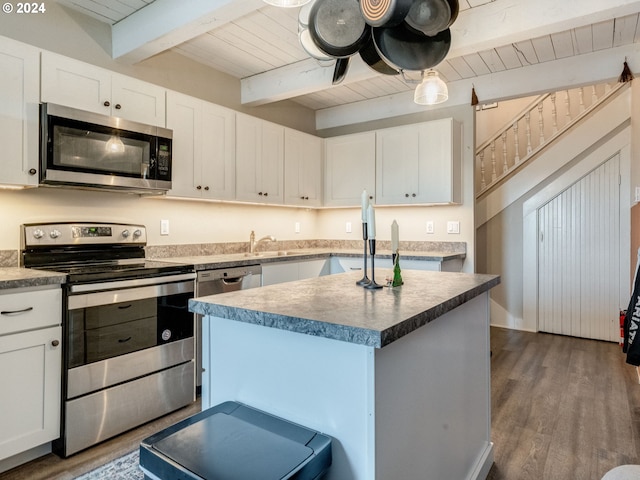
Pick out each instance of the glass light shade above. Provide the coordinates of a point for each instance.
(432, 90)
(114, 145)
(286, 3)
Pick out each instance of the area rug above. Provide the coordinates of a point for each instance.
(126, 467)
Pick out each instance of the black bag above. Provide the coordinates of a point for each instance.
(631, 344)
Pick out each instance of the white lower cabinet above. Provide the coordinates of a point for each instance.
(350, 264)
(30, 368)
(288, 271)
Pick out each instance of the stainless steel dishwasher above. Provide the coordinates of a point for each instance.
(222, 280)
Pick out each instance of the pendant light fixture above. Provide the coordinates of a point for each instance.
(114, 145)
(286, 3)
(432, 90)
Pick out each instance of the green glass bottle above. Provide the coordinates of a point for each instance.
(397, 276)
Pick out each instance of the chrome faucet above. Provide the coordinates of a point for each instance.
(253, 243)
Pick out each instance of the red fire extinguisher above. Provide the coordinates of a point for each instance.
(623, 313)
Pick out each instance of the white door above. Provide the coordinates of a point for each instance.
(579, 257)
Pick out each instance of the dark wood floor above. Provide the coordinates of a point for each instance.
(562, 408)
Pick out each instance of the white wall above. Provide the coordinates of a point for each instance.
(190, 222)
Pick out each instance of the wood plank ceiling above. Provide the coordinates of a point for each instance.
(267, 39)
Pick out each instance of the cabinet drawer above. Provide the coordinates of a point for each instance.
(28, 310)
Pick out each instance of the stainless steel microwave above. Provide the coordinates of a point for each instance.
(89, 150)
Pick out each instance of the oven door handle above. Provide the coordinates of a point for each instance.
(16, 312)
(138, 282)
(125, 296)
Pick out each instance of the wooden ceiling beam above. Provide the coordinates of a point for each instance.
(588, 69)
(164, 24)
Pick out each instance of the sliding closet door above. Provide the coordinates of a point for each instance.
(579, 257)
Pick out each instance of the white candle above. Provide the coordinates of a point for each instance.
(365, 205)
(394, 237)
(371, 223)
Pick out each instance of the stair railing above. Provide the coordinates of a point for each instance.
(531, 130)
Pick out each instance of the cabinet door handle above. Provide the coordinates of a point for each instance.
(55, 343)
(124, 307)
(199, 187)
(266, 194)
(106, 103)
(124, 340)
(16, 312)
(406, 195)
(413, 194)
(32, 171)
(206, 188)
(118, 107)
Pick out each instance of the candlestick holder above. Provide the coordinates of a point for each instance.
(364, 280)
(372, 285)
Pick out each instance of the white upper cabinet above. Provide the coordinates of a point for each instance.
(76, 84)
(19, 98)
(350, 167)
(259, 160)
(302, 169)
(203, 148)
(418, 163)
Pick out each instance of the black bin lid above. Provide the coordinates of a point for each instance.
(235, 442)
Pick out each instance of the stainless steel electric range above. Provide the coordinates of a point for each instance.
(128, 344)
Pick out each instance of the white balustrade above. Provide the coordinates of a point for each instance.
(546, 113)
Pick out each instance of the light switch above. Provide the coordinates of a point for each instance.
(453, 227)
(297, 227)
(348, 228)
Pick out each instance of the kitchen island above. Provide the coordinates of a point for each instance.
(399, 377)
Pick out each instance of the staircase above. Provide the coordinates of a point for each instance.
(531, 131)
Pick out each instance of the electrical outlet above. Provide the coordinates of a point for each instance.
(164, 227)
(453, 227)
(297, 227)
(430, 227)
(348, 228)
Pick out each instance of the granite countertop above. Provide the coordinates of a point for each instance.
(15, 277)
(335, 307)
(206, 262)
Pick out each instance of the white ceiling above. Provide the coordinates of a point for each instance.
(258, 43)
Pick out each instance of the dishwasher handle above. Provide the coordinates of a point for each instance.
(233, 281)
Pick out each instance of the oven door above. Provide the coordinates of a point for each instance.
(116, 335)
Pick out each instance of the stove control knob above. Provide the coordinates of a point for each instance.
(37, 233)
(125, 233)
(54, 233)
(137, 232)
